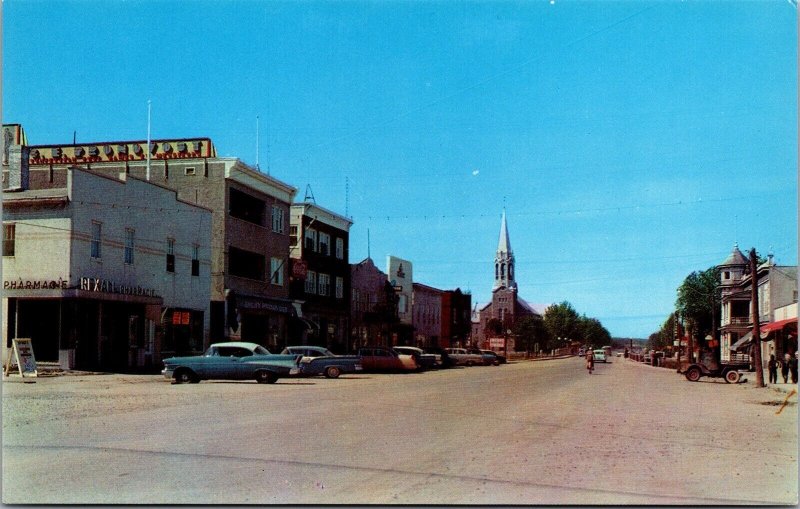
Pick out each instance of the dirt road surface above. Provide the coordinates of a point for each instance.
(524, 433)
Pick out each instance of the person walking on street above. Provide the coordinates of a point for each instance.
(793, 368)
(590, 360)
(772, 365)
(785, 367)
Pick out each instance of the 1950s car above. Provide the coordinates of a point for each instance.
(321, 361)
(381, 358)
(232, 361)
(461, 357)
(423, 360)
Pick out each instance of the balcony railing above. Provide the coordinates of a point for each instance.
(739, 320)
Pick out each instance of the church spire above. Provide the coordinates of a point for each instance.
(504, 259)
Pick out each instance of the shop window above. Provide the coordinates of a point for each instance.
(97, 230)
(246, 207)
(129, 246)
(195, 260)
(170, 255)
(246, 264)
(9, 234)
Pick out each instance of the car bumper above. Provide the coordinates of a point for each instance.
(167, 373)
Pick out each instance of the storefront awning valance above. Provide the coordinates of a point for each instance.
(771, 327)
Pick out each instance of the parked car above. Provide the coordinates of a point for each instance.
(497, 358)
(486, 360)
(600, 355)
(321, 361)
(381, 358)
(232, 361)
(423, 360)
(443, 359)
(461, 357)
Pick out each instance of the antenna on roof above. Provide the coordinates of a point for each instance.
(368, 254)
(147, 172)
(346, 196)
(309, 195)
(74, 136)
(257, 167)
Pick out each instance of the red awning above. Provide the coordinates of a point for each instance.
(776, 326)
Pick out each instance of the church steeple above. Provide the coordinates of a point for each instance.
(504, 259)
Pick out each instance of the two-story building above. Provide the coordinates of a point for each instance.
(104, 273)
(427, 315)
(776, 290)
(373, 305)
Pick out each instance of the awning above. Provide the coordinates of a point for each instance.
(776, 326)
(743, 341)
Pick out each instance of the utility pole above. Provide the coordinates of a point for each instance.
(756, 327)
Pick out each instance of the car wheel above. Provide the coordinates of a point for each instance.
(496, 363)
(266, 377)
(693, 374)
(469, 363)
(332, 372)
(732, 376)
(185, 376)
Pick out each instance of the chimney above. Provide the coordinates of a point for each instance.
(18, 172)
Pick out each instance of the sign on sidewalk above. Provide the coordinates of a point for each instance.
(21, 355)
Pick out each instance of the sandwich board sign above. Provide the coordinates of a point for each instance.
(22, 355)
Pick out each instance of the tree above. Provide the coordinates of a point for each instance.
(529, 331)
(697, 302)
(494, 327)
(592, 332)
(562, 321)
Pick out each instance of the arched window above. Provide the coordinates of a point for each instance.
(496, 270)
(503, 270)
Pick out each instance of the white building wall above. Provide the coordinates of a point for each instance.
(155, 215)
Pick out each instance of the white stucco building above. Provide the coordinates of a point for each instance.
(105, 273)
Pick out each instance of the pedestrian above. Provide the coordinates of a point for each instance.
(589, 360)
(793, 368)
(785, 367)
(772, 365)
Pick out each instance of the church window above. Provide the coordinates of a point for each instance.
(496, 270)
(502, 270)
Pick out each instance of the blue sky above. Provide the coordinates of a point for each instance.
(630, 142)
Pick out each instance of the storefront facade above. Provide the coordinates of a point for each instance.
(104, 273)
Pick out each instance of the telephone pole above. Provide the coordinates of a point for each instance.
(756, 327)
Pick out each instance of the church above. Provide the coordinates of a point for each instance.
(506, 305)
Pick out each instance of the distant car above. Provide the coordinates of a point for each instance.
(496, 357)
(461, 357)
(321, 361)
(619, 354)
(581, 352)
(501, 359)
(381, 358)
(600, 355)
(232, 361)
(423, 360)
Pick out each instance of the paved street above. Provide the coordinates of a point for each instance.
(525, 433)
